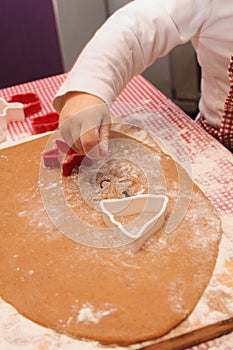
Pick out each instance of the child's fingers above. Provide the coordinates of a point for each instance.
(104, 139)
(66, 132)
(90, 142)
(88, 131)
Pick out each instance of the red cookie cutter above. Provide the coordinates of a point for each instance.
(54, 158)
(46, 122)
(30, 100)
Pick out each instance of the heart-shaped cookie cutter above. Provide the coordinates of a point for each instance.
(30, 101)
(139, 204)
(17, 108)
(44, 123)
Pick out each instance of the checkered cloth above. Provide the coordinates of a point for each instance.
(225, 133)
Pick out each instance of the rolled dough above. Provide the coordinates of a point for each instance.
(109, 295)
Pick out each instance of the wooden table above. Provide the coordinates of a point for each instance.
(211, 167)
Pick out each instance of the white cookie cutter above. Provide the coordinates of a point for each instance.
(145, 203)
(9, 112)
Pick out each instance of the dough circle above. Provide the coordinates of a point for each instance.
(109, 295)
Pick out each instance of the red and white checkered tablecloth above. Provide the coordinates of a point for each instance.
(212, 164)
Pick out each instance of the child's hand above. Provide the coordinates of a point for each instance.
(85, 124)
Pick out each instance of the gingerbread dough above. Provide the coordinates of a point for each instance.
(109, 295)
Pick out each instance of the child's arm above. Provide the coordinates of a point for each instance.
(129, 41)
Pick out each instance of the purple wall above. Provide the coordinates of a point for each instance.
(29, 47)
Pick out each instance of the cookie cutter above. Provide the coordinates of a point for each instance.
(74, 161)
(139, 204)
(21, 106)
(30, 100)
(9, 112)
(31, 105)
(44, 123)
(3, 137)
(54, 158)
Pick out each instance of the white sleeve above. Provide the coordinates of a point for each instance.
(131, 40)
